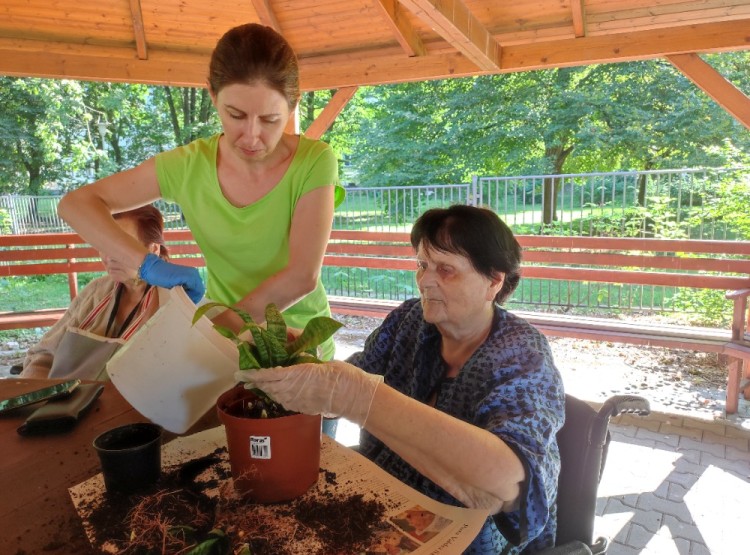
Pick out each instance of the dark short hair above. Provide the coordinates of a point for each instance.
(254, 52)
(476, 233)
(150, 225)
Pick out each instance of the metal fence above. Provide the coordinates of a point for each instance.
(669, 203)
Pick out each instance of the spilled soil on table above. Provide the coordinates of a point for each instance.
(194, 502)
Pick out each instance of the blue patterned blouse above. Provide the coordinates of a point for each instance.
(510, 386)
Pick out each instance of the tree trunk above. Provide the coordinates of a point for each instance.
(557, 155)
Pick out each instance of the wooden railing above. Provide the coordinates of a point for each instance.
(695, 264)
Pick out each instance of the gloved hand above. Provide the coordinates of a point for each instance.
(161, 273)
(332, 389)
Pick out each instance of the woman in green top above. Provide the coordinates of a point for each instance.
(258, 200)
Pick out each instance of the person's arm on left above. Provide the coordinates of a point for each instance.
(475, 466)
(308, 237)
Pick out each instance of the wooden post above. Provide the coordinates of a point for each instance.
(72, 277)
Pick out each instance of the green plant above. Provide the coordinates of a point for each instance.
(272, 346)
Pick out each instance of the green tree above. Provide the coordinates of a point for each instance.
(40, 133)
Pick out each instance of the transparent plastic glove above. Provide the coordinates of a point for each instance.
(332, 389)
(161, 273)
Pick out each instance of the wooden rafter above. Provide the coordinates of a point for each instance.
(140, 34)
(402, 30)
(453, 21)
(28, 57)
(329, 113)
(265, 14)
(714, 85)
(579, 20)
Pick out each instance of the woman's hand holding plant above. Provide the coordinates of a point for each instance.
(332, 388)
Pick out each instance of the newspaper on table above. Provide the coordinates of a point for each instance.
(412, 523)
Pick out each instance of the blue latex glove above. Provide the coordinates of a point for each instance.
(161, 273)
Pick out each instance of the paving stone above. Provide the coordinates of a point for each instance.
(662, 490)
(737, 442)
(716, 449)
(669, 428)
(698, 548)
(616, 505)
(740, 466)
(690, 455)
(734, 454)
(676, 492)
(650, 520)
(680, 529)
(639, 536)
(734, 431)
(715, 426)
(684, 479)
(650, 502)
(648, 424)
(621, 549)
(670, 435)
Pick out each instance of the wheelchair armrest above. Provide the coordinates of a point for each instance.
(625, 403)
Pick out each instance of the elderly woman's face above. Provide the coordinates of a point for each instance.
(452, 291)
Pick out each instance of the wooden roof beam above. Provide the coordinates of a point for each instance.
(330, 112)
(579, 19)
(136, 14)
(714, 85)
(453, 21)
(393, 14)
(35, 58)
(266, 14)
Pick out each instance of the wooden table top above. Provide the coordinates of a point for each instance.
(36, 512)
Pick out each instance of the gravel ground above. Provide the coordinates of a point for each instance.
(674, 381)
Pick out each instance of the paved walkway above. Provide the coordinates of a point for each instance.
(675, 485)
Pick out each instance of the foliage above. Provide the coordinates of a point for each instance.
(5, 222)
(709, 307)
(271, 345)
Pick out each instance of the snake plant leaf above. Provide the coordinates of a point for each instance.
(246, 318)
(275, 323)
(226, 332)
(248, 360)
(272, 352)
(277, 348)
(201, 310)
(303, 358)
(316, 331)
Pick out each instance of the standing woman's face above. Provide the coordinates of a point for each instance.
(253, 117)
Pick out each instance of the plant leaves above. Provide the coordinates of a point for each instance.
(263, 350)
(303, 358)
(316, 332)
(226, 332)
(271, 352)
(275, 324)
(248, 356)
(201, 310)
(217, 543)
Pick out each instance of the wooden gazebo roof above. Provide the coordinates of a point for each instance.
(347, 43)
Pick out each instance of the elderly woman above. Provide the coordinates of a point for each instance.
(457, 397)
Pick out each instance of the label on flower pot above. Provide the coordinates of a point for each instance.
(260, 447)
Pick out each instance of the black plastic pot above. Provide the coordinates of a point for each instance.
(130, 456)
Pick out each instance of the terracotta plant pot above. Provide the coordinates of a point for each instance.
(272, 459)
